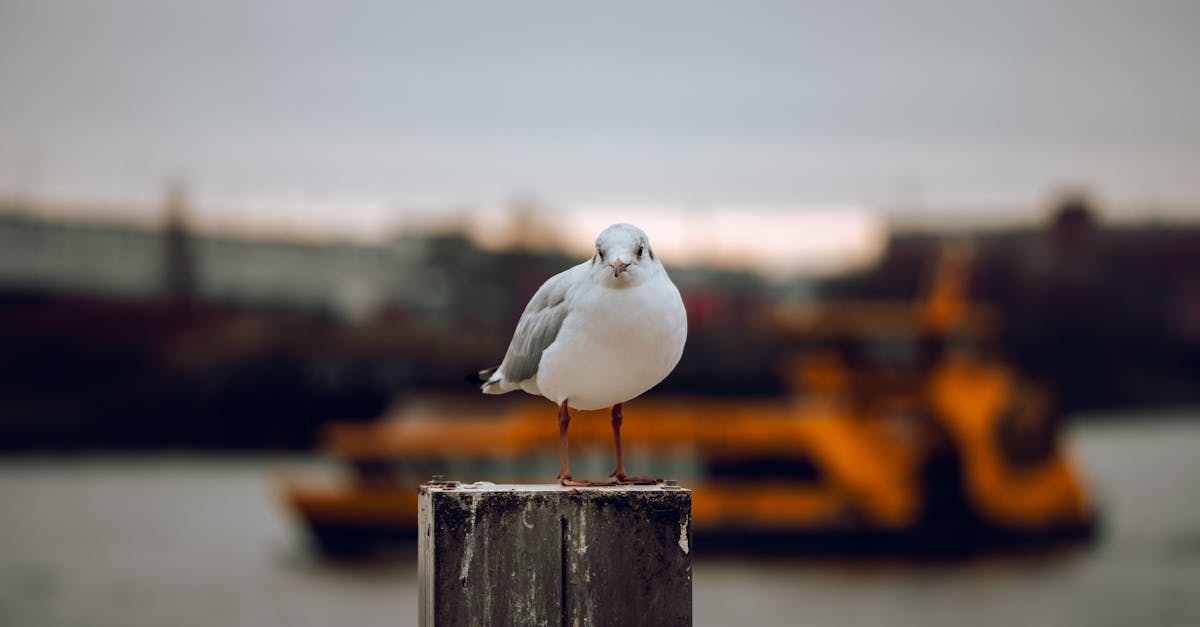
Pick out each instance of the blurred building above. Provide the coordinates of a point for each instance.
(124, 335)
(1107, 313)
(116, 260)
(109, 328)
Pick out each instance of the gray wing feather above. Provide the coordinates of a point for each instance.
(536, 330)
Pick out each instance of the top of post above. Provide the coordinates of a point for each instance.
(439, 484)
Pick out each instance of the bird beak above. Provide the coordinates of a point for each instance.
(619, 267)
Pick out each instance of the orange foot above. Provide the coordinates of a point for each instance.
(623, 479)
(583, 483)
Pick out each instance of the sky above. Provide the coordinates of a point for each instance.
(353, 117)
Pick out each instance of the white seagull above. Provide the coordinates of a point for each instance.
(598, 334)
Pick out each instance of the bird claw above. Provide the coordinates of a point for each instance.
(627, 480)
(571, 482)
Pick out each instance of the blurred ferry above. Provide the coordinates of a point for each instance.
(902, 424)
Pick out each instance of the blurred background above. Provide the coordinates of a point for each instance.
(941, 265)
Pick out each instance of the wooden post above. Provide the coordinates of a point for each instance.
(549, 555)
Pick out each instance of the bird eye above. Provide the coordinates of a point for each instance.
(601, 253)
(640, 250)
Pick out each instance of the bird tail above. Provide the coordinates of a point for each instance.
(489, 379)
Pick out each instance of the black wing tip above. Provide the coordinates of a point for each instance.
(477, 378)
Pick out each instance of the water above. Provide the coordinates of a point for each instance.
(201, 541)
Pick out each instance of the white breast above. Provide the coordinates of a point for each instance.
(615, 345)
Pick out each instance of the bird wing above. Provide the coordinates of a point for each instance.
(537, 329)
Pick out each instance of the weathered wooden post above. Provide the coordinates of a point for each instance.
(550, 555)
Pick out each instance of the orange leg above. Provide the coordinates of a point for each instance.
(619, 473)
(564, 465)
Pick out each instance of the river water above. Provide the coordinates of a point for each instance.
(185, 540)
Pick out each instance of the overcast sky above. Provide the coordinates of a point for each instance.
(346, 111)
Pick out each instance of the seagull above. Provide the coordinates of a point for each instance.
(597, 335)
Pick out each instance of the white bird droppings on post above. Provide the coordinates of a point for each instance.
(469, 549)
(582, 546)
(683, 537)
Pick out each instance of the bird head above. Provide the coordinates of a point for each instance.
(623, 257)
